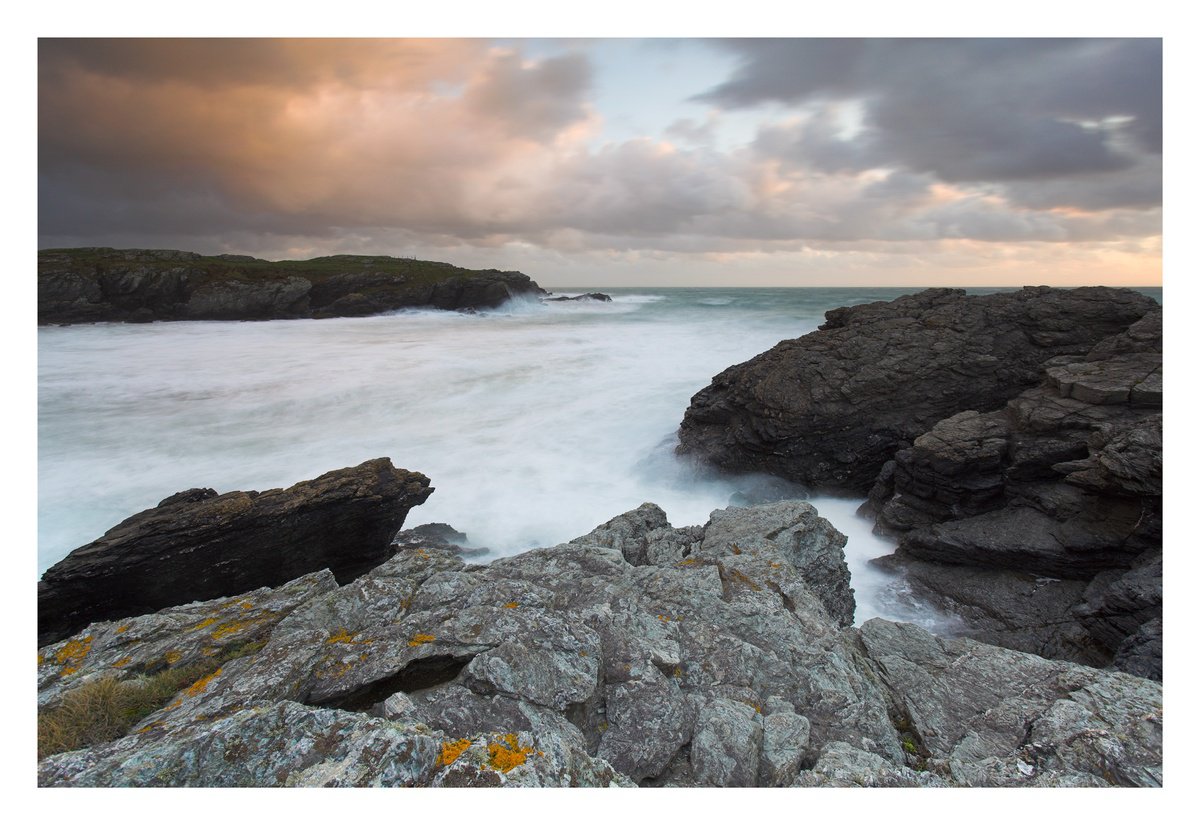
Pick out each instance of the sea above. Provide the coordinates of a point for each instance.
(536, 422)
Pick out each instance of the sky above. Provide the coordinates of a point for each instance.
(619, 161)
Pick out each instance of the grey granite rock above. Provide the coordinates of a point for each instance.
(573, 666)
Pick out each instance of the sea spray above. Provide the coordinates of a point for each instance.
(535, 422)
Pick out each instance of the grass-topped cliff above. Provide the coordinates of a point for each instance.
(103, 284)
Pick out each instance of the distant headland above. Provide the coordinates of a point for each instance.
(93, 284)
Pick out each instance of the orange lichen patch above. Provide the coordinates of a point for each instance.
(737, 551)
(172, 656)
(421, 639)
(512, 605)
(122, 628)
(122, 661)
(72, 654)
(686, 562)
(200, 685)
(452, 750)
(776, 565)
(738, 575)
(508, 753)
(41, 659)
(231, 627)
(663, 618)
(346, 638)
(203, 624)
(677, 672)
(246, 605)
(757, 708)
(150, 727)
(336, 671)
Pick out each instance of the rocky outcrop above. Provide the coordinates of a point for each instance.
(197, 545)
(640, 653)
(1012, 442)
(1041, 522)
(101, 284)
(589, 296)
(828, 410)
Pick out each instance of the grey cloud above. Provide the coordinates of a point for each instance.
(965, 110)
(126, 156)
(535, 101)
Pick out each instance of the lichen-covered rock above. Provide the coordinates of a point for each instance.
(572, 665)
(983, 715)
(784, 747)
(198, 545)
(286, 744)
(177, 637)
(840, 765)
(726, 745)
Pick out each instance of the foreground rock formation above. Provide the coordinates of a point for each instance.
(102, 284)
(637, 654)
(1012, 441)
(198, 545)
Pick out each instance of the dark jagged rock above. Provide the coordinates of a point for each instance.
(829, 409)
(590, 296)
(640, 653)
(440, 535)
(197, 545)
(1041, 522)
(102, 284)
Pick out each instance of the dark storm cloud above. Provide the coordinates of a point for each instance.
(964, 110)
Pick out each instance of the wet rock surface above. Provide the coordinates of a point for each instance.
(197, 545)
(1041, 522)
(641, 653)
(829, 409)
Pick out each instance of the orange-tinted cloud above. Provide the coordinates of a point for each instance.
(388, 146)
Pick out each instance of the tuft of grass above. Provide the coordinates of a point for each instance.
(108, 708)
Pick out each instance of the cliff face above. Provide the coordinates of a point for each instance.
(101, 284)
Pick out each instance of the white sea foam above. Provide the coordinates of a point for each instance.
(535, 422)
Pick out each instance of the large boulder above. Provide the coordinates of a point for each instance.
(829, 409)
(641, 653)
(198, 545)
